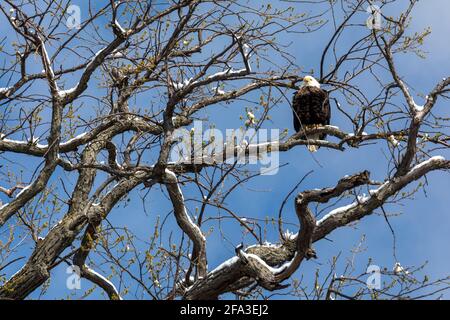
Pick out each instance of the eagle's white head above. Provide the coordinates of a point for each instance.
(309, 81)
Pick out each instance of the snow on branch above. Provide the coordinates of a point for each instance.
(367, 204)
(228, 73)
(101, 281)
(185, 222)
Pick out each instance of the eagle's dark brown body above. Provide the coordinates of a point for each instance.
(311, 106)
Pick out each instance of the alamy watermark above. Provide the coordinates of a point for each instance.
(74, 17)
(374, 22)
(73, 281)
(374, 279)
(242, 146)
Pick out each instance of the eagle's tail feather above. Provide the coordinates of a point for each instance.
(314, 148)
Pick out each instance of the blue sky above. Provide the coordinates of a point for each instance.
(422, 229)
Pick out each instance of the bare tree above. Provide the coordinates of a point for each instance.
(110, 94)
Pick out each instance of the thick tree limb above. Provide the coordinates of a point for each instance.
(232, 274)
(186, 224)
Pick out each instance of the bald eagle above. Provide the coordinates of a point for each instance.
(311, 107)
